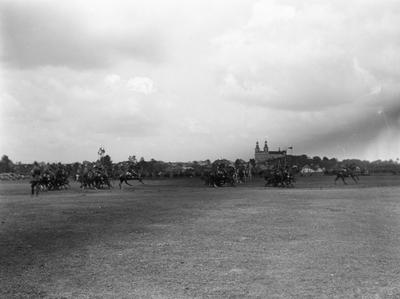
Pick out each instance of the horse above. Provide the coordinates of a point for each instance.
(127, 176)
(220, 176)
(345, 173)
(101, 180)
(231, 176)
(87, 179)
(35, 186)
(94, 179)
(241, 175)
(279, 178)
(215, 178)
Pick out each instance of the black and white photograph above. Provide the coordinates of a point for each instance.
(200, 149)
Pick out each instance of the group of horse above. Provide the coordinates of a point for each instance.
(279, 177)
(284, 177)
(99, 179)
(222, 174)
(218, 176)
(95, 178)
(50, 180)
(231, 176)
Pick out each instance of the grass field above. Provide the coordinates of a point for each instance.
(179, 239)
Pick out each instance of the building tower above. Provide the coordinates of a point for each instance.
(257, 147)
(266, 147)
(262, 157)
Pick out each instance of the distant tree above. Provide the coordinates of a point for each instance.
(132, 159)
(6, 165)
(316, 160)
(252, 162)
(75, 167)
(239, 162)
(197, 168)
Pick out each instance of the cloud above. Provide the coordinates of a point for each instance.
(45, 33)
(141, 84)
(322, 67)
(112, 79)
(304, 57)
(199, 79)
(70, 110)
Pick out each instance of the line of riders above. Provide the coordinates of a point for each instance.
(275, 176)
(48, 178)
(89, 176)
(220, 174)
(225, 174)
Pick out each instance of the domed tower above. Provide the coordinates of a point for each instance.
(266, 147)
(257, 147)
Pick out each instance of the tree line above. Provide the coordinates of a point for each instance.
(155, 168)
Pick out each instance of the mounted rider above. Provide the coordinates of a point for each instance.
(36, 175)
(131, 172)
(36, 171)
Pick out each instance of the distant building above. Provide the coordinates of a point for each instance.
(306, 170)
(265, 155)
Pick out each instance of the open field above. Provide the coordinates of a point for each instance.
(179, 239)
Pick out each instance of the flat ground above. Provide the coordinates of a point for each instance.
(179, 239)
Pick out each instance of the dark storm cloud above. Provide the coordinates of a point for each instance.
(347, 139)
(43, 33)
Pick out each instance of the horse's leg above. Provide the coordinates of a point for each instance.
(32, 188)
(35, 186)
(126, 181)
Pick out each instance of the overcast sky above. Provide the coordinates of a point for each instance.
(191, 80)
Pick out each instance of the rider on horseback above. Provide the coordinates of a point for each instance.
(35, 173)
(131, 172)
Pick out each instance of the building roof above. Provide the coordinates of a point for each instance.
(276, 152)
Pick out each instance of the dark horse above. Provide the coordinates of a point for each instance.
(346, 173)
(127, 176)
(220, 177)
(35, 186)
(279, 178)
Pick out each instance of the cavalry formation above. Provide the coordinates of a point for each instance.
(280, 177)
(50, 178)
(90, 176)
(221, 173)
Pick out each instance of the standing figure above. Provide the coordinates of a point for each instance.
(35, 181)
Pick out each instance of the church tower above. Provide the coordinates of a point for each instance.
(263, 156)
(266, 147)
(257, 147)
